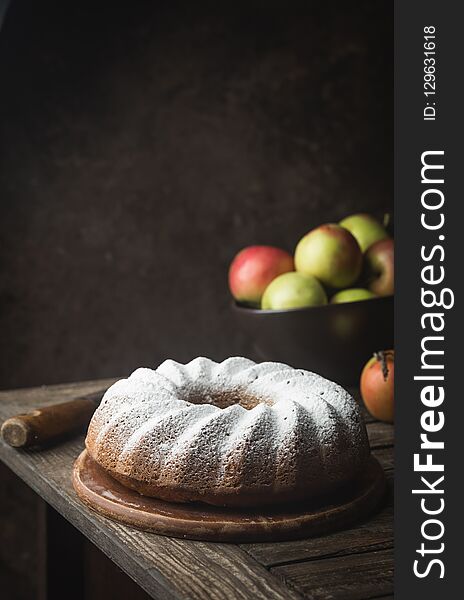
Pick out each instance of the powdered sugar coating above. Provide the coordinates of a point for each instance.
(178, 433)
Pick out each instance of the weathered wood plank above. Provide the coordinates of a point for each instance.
(14, 401)
(350, 577)
(165, 567)
(386, 457)
(380, 434)
(373, 534)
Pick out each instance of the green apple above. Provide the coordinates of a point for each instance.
(331, 254)
(352, 295)
(365, 229)
(293, 290)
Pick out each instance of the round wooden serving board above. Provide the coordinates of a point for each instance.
(204, 522)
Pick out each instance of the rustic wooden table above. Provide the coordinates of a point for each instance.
(353, 564)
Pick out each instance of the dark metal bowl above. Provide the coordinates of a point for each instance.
(334, 340)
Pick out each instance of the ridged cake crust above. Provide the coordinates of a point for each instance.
(235, 433)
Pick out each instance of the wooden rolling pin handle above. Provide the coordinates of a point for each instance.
(45, 424)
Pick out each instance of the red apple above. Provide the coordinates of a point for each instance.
(377, 385)
(253, 269)
(380, 267)
(331, 254)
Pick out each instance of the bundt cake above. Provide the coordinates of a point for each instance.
(235, 433)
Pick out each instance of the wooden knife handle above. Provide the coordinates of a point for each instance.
(48, 423)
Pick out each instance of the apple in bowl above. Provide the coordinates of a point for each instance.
(352, 295)
(331, 254)
(380, 267)
(293, 290)
(365, 228)
(253, 269)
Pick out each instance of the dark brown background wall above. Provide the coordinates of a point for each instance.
(143, 143)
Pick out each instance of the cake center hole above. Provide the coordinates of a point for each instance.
(226, 398)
